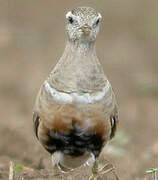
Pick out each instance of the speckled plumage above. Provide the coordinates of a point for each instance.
(75, 112)
(84, 12)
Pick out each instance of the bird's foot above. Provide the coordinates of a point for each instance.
(94, 177)
(99, 170)
(106, 168)
(102, 169)
(57, 175)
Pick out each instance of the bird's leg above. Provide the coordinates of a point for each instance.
(56, 173)
(95, 170)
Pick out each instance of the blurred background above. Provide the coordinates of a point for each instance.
(32, 39)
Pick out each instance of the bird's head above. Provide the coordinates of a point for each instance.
(82, 24)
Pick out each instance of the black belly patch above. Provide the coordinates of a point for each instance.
(75, 143)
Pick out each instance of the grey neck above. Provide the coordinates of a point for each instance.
(78, 69)
(79, 47)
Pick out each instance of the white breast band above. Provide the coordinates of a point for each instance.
(76, 97)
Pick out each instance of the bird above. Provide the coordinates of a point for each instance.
(76, 112)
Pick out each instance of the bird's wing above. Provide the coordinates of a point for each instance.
(36, 121)
(114, 121)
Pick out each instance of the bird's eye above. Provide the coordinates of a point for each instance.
(70, 19)
(97, 22)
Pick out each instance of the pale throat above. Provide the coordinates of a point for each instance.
(80, 47)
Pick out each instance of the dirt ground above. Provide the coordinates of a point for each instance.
(32, 38)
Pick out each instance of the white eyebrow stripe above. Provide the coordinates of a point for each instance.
(74, 97)
(69, 14)
(99, 15)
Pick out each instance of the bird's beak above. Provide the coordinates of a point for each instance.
(86, 29)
